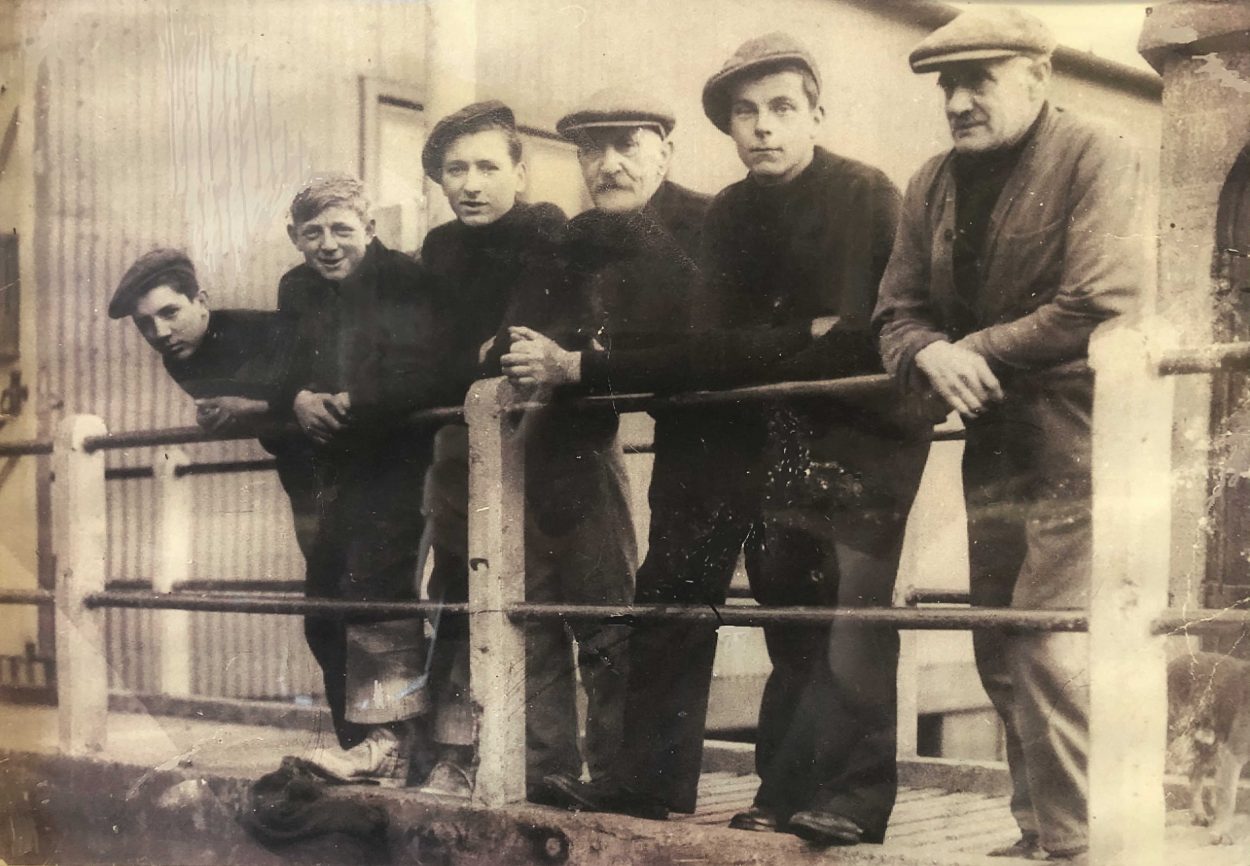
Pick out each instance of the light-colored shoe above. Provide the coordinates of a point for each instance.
(449, 779)
(382, 757)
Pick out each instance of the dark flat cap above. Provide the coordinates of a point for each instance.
(756, 54)
(456, 124)
(152, 269)
(983, 35)
(618, 106)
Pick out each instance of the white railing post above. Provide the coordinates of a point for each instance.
(79, 525)
(496, 580)
(1132, 448)
(171, 567)
(908, 695)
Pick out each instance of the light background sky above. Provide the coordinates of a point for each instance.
(1109, 30)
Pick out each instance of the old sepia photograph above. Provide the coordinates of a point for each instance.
(625, 432)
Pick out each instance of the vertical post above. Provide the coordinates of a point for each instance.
(496, 581)
(1132, 448)
(172, 567)
(79, 525)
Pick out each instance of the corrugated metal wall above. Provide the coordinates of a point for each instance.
(190, 125)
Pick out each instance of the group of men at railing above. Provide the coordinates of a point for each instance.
(979, 288)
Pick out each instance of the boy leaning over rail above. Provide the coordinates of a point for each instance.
(232, 362)
(372, 345)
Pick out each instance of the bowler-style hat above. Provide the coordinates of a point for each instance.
(456, 124)
(983, 35)
(618, 106)
(754, 55)
(155, 268)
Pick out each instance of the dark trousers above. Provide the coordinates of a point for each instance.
(365, 547)
(826, 724)
(1027, 485)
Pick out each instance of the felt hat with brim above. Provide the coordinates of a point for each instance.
(155, 268)
(754, 56)
(617, 106)
(983, 35)
(456, 124)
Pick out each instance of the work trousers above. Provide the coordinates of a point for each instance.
(826, 735)
(365, 548)
(579, 548)
(1026, 471)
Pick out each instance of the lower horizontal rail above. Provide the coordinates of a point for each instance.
(936, 596)
(1214, 358)
(737, 615)
(27, 596)
(1205, 621)
(236, 603)
(25, 448)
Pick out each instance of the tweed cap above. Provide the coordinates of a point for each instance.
(152, 269)
(454, 125)
(618, 106)
(983, 35)
(771, 49)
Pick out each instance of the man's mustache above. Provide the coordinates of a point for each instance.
(610, 184)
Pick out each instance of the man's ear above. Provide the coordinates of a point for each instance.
(371, 228)
(522, 177)
(818, 115)
(201, 298)
(1042, 70)
(667, 147)
(290, 233)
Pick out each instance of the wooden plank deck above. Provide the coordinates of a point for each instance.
(930, 825)
(961, 826)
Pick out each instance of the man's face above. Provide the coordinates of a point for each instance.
(479, 177)
(990, 104)
(774, 126)
(333, 242)
(172, 323)
(623, 165)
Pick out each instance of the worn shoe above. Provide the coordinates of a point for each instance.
(449, 779)
(381, 758)
(1027, 847)
(1078, 857)
(825, 828)
(757, 819)
(562, 790)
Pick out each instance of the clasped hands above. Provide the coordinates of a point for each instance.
(222, 414)
(960, 376)
(322, 416)
(537, 361)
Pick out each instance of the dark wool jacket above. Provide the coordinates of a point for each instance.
(481, 271)
(383, 335)
(245, 353)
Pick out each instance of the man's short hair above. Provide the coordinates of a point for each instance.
(477, 117)
(159, 267)
(334, 189)
(486, 124)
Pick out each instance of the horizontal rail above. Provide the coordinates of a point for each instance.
(25, 447)
(905, 618)
(40, 597)
(250, 603)
(1218, 357)
(1205, 621)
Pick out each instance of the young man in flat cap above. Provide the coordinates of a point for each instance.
(499, 263)
(797, 248)
(232, 362)
(373, 345)
(1012, 248)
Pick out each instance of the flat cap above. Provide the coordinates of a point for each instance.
(772, 49)
(983, 35)
(157, 267)
(456, 124)
(618, 106)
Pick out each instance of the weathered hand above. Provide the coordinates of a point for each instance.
(315, 416)
(960, 376)
(219, 414)
(534, 359)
